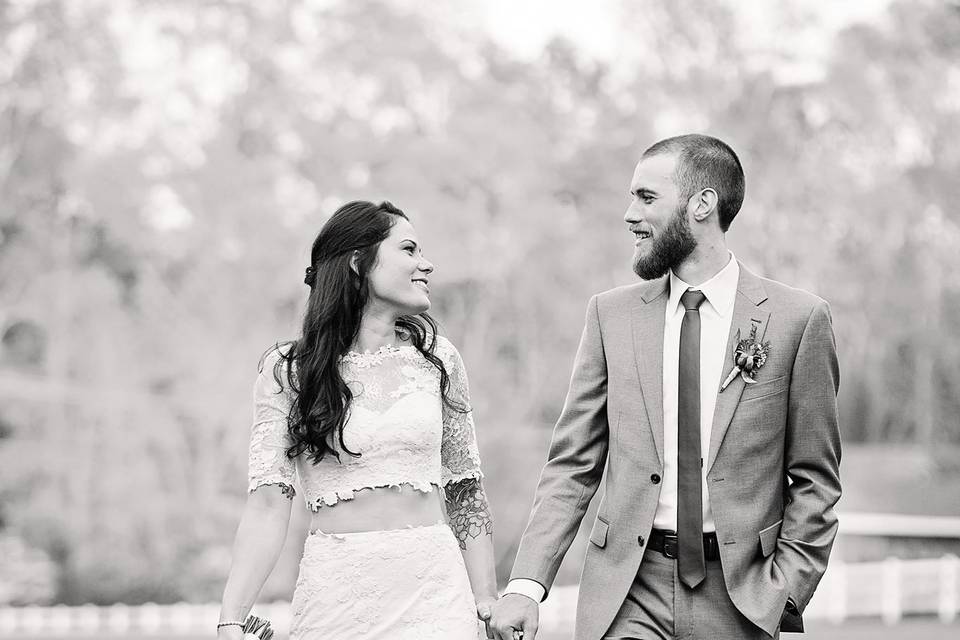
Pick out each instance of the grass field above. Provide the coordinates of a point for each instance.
(920, 629)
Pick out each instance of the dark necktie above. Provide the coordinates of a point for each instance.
(689, 497)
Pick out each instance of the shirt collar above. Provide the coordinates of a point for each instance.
(720, 290)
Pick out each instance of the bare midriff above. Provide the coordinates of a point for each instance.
(380, 509)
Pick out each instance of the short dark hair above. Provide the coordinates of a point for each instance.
(704, 162)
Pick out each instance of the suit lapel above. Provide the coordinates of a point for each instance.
(648, 324)
(747, 311)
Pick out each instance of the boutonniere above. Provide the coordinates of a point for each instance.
(748, 357)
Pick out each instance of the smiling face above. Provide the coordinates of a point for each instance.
(657, 218)
(399, 280)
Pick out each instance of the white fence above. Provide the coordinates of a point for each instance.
(888, 589)
(120, 620)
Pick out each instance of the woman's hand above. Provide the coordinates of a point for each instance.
(484, 611)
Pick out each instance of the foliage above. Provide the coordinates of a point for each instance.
(27, 575)
(164, 165)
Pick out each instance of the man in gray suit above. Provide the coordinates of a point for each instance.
(708, 396)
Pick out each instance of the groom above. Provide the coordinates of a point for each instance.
(717, 519)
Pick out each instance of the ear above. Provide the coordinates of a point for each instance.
(355, 262)
(702, 204)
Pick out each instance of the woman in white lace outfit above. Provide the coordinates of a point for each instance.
(369, 410)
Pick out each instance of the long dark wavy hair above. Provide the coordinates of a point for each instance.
(338, 296)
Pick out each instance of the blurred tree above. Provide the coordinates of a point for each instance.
(164, 166)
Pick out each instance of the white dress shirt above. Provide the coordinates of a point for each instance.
(716, 315)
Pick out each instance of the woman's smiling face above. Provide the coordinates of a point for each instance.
(399, 279)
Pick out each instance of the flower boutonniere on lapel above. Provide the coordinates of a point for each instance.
(749, 356)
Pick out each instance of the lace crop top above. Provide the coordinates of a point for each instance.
(397, 422)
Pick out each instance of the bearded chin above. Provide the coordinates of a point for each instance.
(670, 249)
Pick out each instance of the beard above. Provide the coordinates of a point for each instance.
(669, 249)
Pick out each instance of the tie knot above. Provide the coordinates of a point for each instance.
(691, 300)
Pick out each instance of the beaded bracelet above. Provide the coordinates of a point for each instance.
(229, 623)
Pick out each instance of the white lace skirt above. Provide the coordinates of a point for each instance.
(401, 584)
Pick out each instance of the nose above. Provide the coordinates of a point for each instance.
(426, 266)
(632, 216)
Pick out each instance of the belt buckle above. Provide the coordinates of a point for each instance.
(671, 545)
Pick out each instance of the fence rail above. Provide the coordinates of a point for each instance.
(888, 589)
(893, 525)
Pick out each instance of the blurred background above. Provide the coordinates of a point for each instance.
(165, 165)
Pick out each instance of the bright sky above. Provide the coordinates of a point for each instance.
(524, 26)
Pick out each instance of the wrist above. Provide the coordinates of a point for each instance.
(233, 613)
(522, 595)
(229, 623)
(526, 587)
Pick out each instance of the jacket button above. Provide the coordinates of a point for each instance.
(655, 478)
(640, 540)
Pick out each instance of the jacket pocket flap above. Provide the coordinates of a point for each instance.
(768, 538)
(599, 534)
(765, 388)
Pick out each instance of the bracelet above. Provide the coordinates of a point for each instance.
(229, 623)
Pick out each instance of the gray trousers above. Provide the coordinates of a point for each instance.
(660, 607)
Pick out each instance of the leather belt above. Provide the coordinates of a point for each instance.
(666, 543)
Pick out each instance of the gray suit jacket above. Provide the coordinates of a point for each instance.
(773, 463)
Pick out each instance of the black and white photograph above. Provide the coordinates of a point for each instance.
(479, 320)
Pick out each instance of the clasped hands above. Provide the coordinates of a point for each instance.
(512, 617)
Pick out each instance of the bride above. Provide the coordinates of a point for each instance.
(369, 407)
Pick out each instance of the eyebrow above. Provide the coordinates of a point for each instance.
(643, 191)
(413, 242)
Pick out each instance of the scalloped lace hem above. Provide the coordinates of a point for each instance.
(472, 474)
(330, 498)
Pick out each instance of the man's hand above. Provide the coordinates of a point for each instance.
(514, 612)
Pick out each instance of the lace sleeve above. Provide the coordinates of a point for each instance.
(269, 463)
(458, 451)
